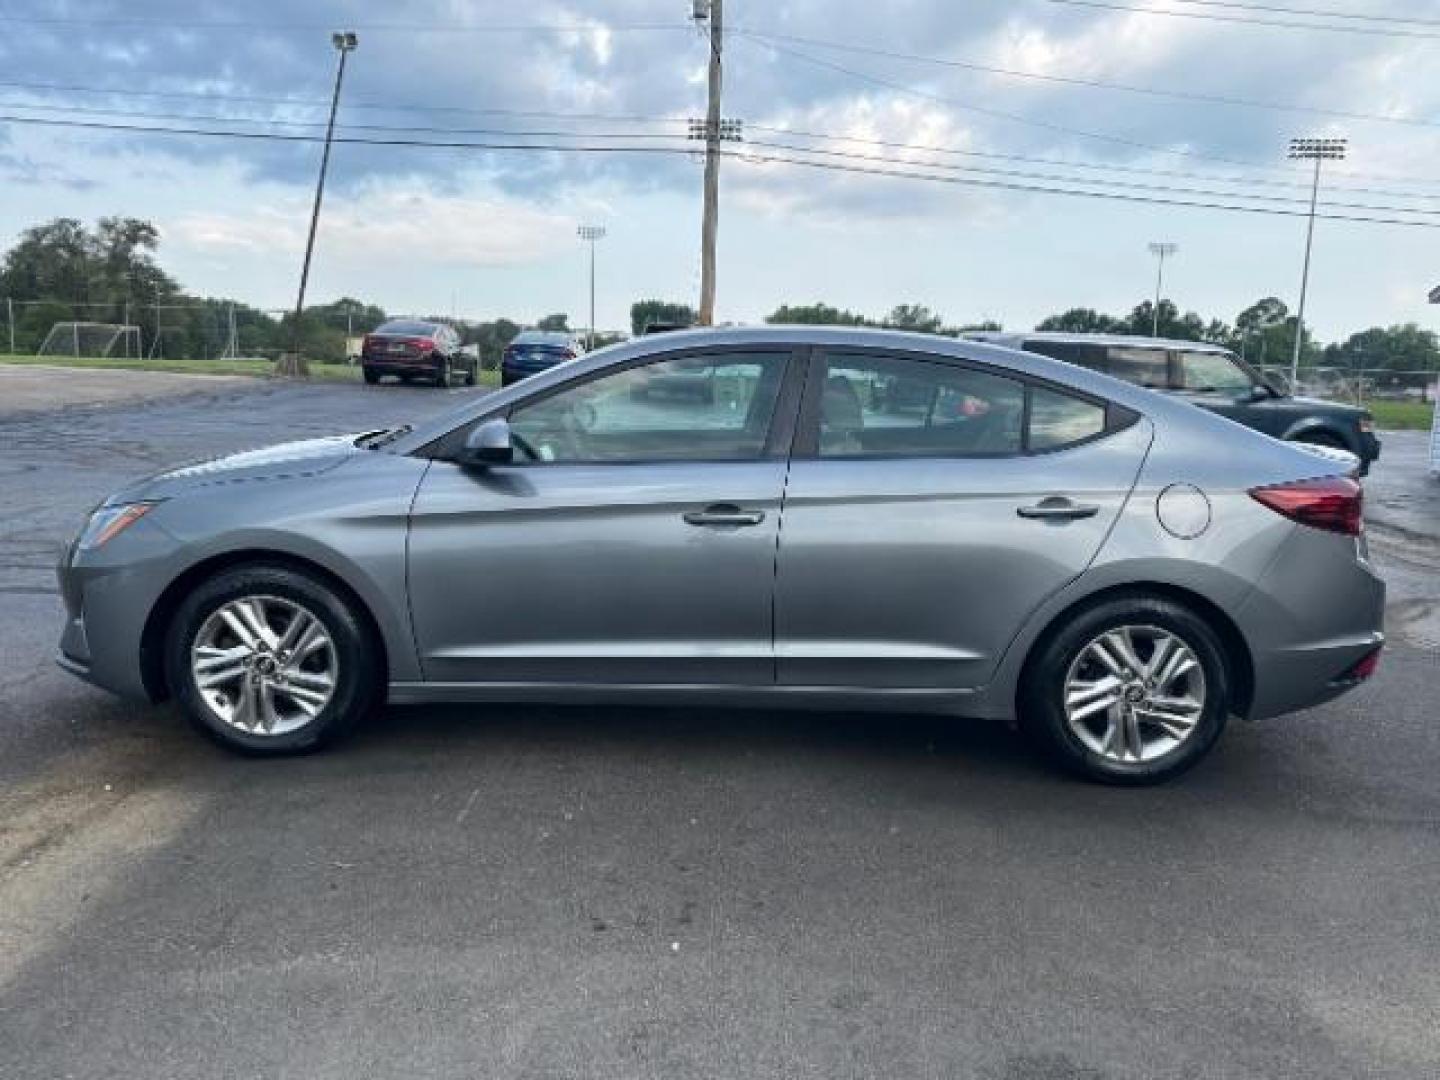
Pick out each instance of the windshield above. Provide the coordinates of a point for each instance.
(409, 329)
(1214, 372)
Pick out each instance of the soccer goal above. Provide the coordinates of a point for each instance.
(91, 339)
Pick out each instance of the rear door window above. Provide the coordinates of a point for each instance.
(1141, 365)
(892, 406)
(1058, 419)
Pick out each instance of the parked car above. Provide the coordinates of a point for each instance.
(1213, 378)
(1120, 570)
(413, 349)
(534, 351)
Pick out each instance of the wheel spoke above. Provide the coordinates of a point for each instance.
(1099, 652)
(1095, 705)
(309, 701)
(1123, 647)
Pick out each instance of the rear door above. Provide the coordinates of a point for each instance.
(931, 506)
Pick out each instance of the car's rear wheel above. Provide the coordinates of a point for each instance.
(1132, 691)
(267, 660)
(371, 376)
(442, 374)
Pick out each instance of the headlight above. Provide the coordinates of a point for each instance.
(109, 522)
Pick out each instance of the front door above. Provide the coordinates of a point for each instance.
(631, 541)
(931, 507)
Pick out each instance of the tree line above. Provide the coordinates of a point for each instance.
(66, 271)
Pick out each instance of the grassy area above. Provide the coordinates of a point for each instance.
(256, 368)
(1402, 415)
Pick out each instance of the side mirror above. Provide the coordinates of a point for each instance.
(488, 444)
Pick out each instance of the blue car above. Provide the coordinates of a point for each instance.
(534, 351)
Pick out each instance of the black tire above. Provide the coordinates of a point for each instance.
(442, 375)
(470, 377)
(371, 376)
(1042, 694)
(359, 672)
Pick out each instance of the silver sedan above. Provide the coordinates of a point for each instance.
(753, 517)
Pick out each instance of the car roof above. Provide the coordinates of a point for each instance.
(547, 336)
(1010, 337)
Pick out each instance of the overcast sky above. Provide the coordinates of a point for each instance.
(491, 232)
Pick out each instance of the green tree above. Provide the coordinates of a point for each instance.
(915, 317)
(1394, 348)
(818, 314)
(1081, 321)
(645, 312)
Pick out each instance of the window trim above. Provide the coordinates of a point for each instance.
(778, 438)
(807, 436)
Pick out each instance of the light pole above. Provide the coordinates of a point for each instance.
(1161, 251)
(1316, 150)
(590, 234)
(344, 41)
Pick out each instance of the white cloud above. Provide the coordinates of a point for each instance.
(393, 223)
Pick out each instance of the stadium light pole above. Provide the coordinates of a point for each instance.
(590, 234)
(345, 42)
(1316, 150)
(1161, 251)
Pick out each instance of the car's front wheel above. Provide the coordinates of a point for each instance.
(371, 376)
(1132, 691)
(268, 660)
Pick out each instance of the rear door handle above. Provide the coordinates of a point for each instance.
(724, 514)
(1058, 508)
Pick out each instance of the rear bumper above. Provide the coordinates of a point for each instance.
(1319, 611)
(394, 365)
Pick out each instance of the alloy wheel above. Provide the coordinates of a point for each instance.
(1134, 694)
(264, 664)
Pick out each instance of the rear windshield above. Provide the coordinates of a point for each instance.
(404, 326)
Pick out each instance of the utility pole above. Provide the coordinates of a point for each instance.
(1161, 251)
(1316, 150)
(344, 41)
(10, 318)
(709, 224)
(590, 234)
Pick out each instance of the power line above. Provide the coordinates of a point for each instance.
(1047, 190)
(274, 136)
(1008, 185)
(316, 103)
(1133, 144)
(1124, 184)
(1091, 165)
(590, 134)
(1324, 13)
(378, 27)
(212, 119)
(1211, 16)
(1098, 84)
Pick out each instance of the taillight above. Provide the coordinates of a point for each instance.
(424, 344)
(1332, 503)
(366, 342)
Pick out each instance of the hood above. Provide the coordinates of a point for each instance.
(1329, 408)
(306, 457)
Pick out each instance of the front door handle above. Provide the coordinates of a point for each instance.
(724, 514)
(1058, 508)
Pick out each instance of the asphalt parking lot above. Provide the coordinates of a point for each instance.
(527, 892)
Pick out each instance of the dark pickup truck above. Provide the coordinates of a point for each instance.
(1213, 378)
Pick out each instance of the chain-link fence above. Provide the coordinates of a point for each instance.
(1361, 385)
